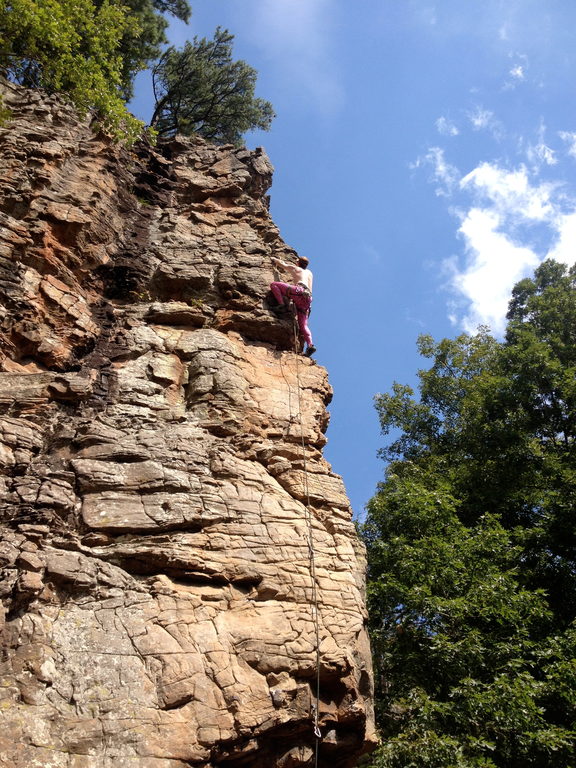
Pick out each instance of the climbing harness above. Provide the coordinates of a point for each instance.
(298, 290)
(316, 706)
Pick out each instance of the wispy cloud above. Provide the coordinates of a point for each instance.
(480, 118)
(518, 71)
(485, 120)
(372, 254)
(570, 139)
(426, 14)
(445, 175)
(295, 37)
(540, 154)
(446, 127)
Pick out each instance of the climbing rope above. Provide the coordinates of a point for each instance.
(317, 732)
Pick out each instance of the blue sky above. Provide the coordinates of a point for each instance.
(425, 157)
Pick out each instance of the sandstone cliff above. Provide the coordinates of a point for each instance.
(156, 434)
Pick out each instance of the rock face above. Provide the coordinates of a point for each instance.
(159, 440)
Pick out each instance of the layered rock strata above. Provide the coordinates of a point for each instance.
(159, 438)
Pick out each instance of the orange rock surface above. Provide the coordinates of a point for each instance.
(159, 440)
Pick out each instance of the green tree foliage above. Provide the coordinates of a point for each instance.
(87, 49)
(142, 45)
(472, 546)
(200, 89)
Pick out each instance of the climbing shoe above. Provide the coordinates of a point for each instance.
(310, 351)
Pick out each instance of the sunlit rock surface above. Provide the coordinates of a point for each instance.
(158, 440)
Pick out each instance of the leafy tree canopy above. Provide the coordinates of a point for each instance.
(140, 47)
(472, 545)
(88, 49)
(200, 89)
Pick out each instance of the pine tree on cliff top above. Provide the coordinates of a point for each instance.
(91, 50)
(472, 546)
(200, 89)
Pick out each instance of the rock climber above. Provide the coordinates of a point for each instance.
(299, 291)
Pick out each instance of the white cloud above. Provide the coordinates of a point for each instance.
(446, 127)
(494, 264)
(485, 120)
(443, 173)
(540, 154)
(517, 72)
(295, 35)
(509, 220)
(570, 139)
(510, 192)
(480, 118)
(564, 248)
(507, 214)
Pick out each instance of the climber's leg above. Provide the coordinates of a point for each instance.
(280, 291)
(303, 326)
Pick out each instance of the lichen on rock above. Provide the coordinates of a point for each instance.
(159, 441)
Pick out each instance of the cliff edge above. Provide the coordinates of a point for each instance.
(159, 440)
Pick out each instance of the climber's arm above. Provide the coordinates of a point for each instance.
(282, 264)
(291, 268)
